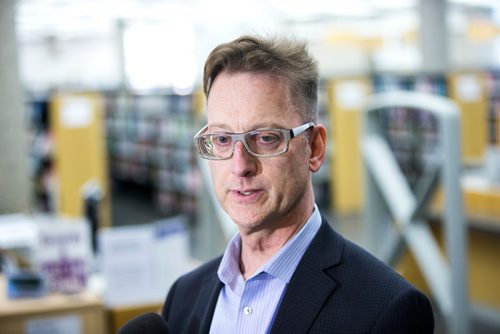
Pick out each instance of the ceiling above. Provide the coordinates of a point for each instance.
(77, 42)
(66, 19)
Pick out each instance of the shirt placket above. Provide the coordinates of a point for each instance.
(248, 317)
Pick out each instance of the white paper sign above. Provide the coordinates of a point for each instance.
(17, 231)
(69, 324)
(76, 112)
(171, 249)
(126, 258)
(140, 262)
(350, 95)
(468, 88)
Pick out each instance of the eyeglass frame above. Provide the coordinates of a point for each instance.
(289, 134)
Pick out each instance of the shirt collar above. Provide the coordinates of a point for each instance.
(281, 265)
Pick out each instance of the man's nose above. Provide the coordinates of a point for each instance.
(243, 163)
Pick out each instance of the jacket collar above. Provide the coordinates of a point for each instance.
(210, 289)
(310, 285)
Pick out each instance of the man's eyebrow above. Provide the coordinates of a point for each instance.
(218, 126)
(226, 128)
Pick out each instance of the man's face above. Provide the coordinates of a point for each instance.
(258, 192)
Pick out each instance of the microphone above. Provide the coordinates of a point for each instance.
(147, 323)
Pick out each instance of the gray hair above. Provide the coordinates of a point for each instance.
(284, 57)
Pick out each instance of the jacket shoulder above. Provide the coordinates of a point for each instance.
(204, 271)
(191, 299)
(381, 298)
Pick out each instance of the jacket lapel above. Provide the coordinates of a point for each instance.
(310, 285)
(207, 301)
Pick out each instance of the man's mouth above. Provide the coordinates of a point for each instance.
(245, 193)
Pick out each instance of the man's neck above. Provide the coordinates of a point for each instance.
(259, 247)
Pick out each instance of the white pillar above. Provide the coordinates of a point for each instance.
(120, 48)
(433, 35)
(14, 186)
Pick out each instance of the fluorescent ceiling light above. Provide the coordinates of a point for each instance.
(392, 4)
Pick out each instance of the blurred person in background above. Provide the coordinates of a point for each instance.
(286, 270)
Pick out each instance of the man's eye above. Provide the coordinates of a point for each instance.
(268, 138)
(222, 140)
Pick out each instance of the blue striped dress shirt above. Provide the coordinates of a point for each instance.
(250, 306)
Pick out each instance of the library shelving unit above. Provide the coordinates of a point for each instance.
(411, 133)
(347, 98)
(412, 136)
(79, 152)
(149, 139)
(468, 89)
(67, 155)
(493, 91)
(429, 83)
(40, 152)
(476, 92)
(397, 203)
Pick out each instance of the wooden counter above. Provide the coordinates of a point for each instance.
(55, 313)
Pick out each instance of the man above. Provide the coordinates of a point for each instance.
(286, 271)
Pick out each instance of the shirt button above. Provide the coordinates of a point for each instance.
(247, 310)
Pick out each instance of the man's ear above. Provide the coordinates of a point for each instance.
(318, 147)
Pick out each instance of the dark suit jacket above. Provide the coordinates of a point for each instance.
(337, 288)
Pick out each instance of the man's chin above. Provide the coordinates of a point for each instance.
(249, 219)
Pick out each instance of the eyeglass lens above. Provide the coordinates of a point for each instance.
(258, 142)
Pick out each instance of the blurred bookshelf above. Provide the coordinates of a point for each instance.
(476, 92)
(148, 138)
(429, 83)
(40, 152)
(493, 91)
(411, 134)
(149, 144)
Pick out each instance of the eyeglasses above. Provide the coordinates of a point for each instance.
(260, 143)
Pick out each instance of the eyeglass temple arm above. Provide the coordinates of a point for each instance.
(298, 130)
(203, 129)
